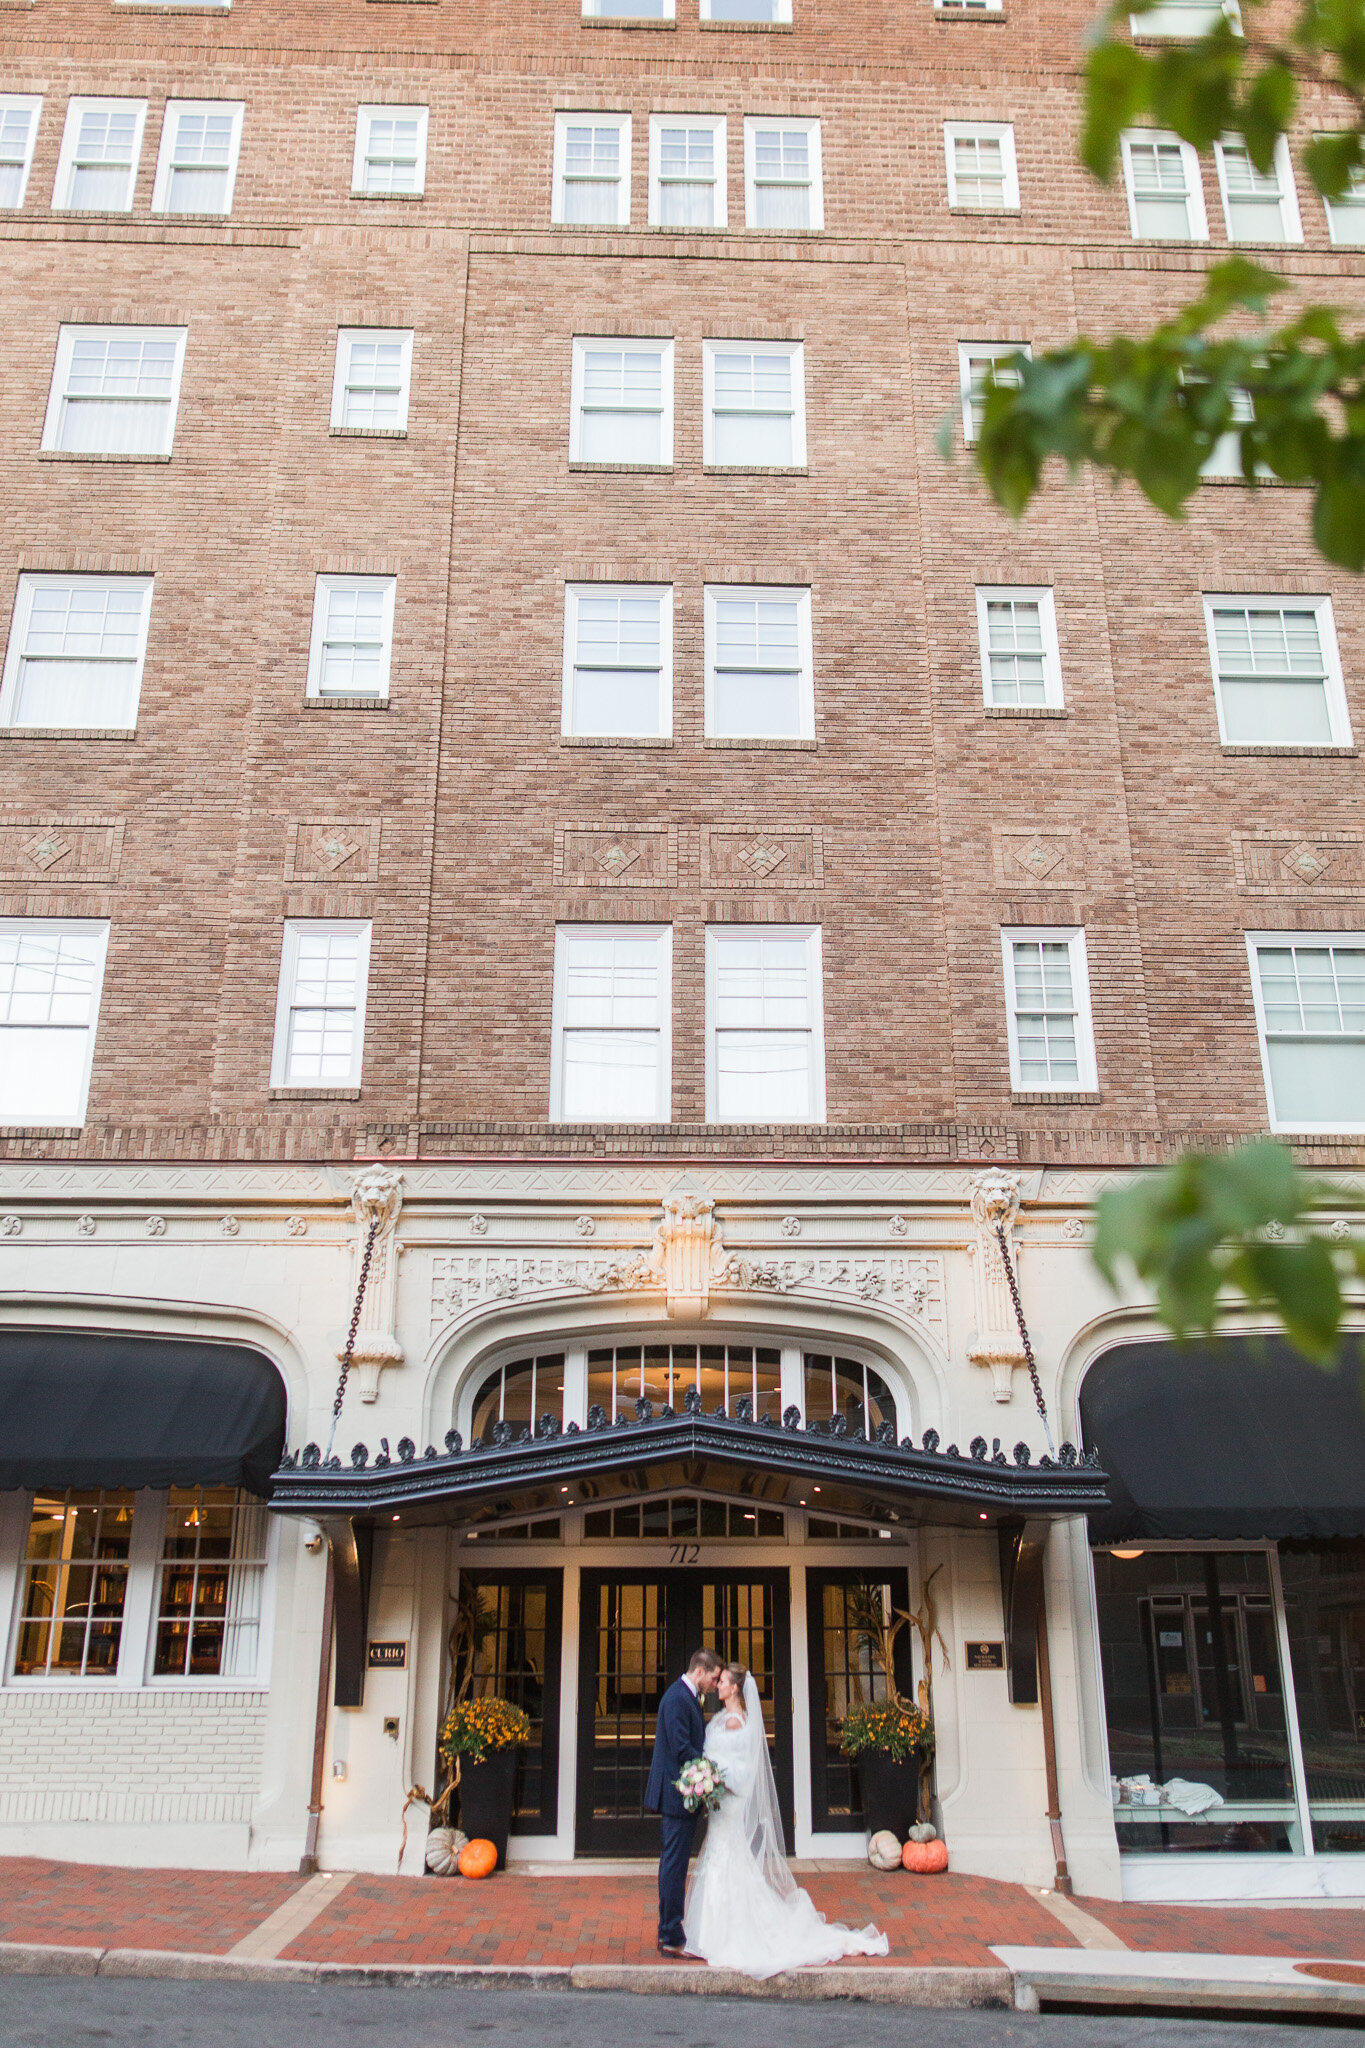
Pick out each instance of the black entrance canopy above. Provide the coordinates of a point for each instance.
(1241, 1438)
(77, 1409)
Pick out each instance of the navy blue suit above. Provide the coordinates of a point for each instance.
(679, 1735)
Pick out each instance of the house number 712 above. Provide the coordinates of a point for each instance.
(684, 1553)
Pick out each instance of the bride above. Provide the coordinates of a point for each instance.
(745, 1910)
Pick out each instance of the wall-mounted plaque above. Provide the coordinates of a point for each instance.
(388, 1656)
(985, 1656)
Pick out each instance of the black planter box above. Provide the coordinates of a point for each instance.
(890, 1792)
(486, 1799)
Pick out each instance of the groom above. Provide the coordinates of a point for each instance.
(679, 1736)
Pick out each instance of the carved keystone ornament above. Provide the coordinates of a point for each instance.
(995, 1342)
(376, 1198)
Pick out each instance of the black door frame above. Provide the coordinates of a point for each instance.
(631, 1836)
(546, 1820)
(817, 1578)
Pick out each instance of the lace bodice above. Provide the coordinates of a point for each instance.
(728, 1747)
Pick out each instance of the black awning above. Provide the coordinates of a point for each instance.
(1239, 1438)
(83, 1410)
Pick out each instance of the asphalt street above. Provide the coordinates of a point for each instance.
(70, 2012)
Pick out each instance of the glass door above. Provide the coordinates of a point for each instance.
(843, 1673)
(517, 1658)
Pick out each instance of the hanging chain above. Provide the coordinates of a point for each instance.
(1023, 1332)
(351, 1334)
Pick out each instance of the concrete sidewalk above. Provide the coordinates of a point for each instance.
(955, 1940)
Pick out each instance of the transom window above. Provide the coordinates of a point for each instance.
(518, 1394)
(610, 1057)
(843, 1387)
(1048, 1006)
(981, 165)
(684, 1518)
(618, 660)
(622, 401)
(1259, 206)
(320, 1013)
(1020, 664)
(390, 152)
(351, 649)
(75, 1584)
(370, 386)
(687, 183)
(722, 1374)
(50, 979)
(977, 360)
(197, 166)
(1310, 1009)
(765, 1060)
(208, 1615)
(759, 679)
(18, 133)
(115, 390)
(1165, 192)
(592, 170)
(755, 404)
(76, 651)
(101, 144)
(1276, 671)
(782, 176)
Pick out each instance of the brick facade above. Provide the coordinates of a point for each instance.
(906, 816)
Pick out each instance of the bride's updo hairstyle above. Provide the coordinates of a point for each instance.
(738, 1674)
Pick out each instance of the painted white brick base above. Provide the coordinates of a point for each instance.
(130, 1758)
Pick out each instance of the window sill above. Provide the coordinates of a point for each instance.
(1026, 711)
(1306, 753)
(71, 732)
(367, 433)
(41, 1130)
(770, 28)
(94, 455)
(986, 212)
(314, 1095)
(404, 198)
(754, 469)
(575, 739)
(621, 468)
(766, 745)
(1026, 1096)
(621, 21)
(346, 703)
(950, 16)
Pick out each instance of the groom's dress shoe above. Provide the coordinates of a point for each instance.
(682, 1955)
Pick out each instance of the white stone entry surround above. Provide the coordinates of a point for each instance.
(489, 1261)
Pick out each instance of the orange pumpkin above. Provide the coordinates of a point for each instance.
(918, 1856)
(478, 1859)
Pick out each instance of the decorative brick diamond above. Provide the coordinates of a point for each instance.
(47, 849)
(760, 859)
(616, 859)
(333, 850)
(1304, 862)
(1039, 859)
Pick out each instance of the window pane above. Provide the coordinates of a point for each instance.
(1014, 628)
(1276, 714)
(118, 394)
(391, 154)
(622, 407)
(611, 1076)
(763, 1077)
(978, 170)
(622, 437)
(76, 1573)
(102, 172)
(352, 663)
(617, 664)
(209, 1603)
(746, 10)
(374, 385)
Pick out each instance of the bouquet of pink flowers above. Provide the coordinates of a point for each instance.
(701, 1783)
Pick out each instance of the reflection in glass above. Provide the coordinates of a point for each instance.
(1324, 1598)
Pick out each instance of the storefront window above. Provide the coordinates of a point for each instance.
(1195, 1701)
(1324, 1600)
(519, 1394)
(840, 1386)
(212, 1571)
(723, 1374)
(75, 1583)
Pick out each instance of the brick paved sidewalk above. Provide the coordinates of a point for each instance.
(587, 1918)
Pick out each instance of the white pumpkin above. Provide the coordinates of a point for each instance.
(443, 1850)
(884, 1851)
(922, 1832)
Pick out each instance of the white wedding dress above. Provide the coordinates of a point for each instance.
(745, 1910)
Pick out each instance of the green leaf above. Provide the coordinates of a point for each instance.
(1330, 159)
(1266, 113)
(1339, 521)
(1116, 87)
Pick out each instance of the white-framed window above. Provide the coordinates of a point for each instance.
(1258, 206)
(629, 10)
(982, 171)
(50, 978)
(1164, 186)
(611, 1050)
(783, 180)
(1276, 672)
(76, 649)
(19, 116)
(1345, 216)
(154, 1587)
(754, 398)
(1309, 992)
(1020, 663)
(372, 380)
(746, 10)
(621, 406)
(765, 1036)
(352, 644)
(759, 671)
(591, 171)
(115, 390)
(320, 1010)
(196, 167)
(390, 152)
(101, 144)
(1183, 20)
(975, 362)
(969, 6)
(688, 187)
(1047, 1008)
(1226, 457)
(618, 660)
